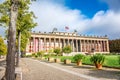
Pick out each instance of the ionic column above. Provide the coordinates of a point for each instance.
(64, 42)
(90, 45)
(97, 46)
(54, 42)
(30, 46)
(34, 45)
(59, 43)
(80, 46)
(87, 48)
(101, 46)
(45, 44)
(68, 42)
(94, 45)
(49, 43)
(104, 48)
(84, 45)
(39, 44)
(76, 45)
(73, 45)
(107, 46)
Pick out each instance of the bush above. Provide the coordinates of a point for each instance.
(78, 57)
(33, 55)
(57, 51)
(67, 49)
(40, 54)
(28, 55)
(36, 56)
(97, 59)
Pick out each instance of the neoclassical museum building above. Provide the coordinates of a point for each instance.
(79, 43)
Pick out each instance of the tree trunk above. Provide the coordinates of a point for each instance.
(18, 53)
(10, 66)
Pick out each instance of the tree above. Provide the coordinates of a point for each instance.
(114, 45)
(57, 51)
(67, 49)
(40, 53)
(24, 22)
(10, 68)
(50, 51)
(3, 47)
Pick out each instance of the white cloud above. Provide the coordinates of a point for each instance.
(106, 23)
(52, 15)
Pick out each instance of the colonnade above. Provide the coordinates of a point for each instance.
(78, 45)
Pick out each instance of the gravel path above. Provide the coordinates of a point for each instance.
(40, 70)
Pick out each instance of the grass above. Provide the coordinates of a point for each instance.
(110, 60)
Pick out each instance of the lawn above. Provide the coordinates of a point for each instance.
(110, 60)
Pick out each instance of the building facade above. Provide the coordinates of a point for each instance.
(79, 43)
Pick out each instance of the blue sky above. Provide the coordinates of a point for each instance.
(88, 7)
(89, 17)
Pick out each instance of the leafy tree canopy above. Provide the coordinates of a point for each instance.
(114, 45)
(3, 47)
(67, 49)
(25, 19)
(57, 51)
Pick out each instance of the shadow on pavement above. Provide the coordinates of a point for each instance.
(3, 63)
(105, 74)
(71, 64)
(84, 67)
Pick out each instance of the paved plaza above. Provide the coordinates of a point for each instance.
(42, 70)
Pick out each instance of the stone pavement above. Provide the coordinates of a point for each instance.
(42, 70)
(2, 67)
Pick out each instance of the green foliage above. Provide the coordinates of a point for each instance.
(41, 53)
(78, 57)
(36, 56)
(110, 60)
(50, 52)
(114, 45)
(33, 55)
(28, 56)
(25, 19)
(97, 58)
(67, 49)
(57, 51)
(3, 47)
(119, 59)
